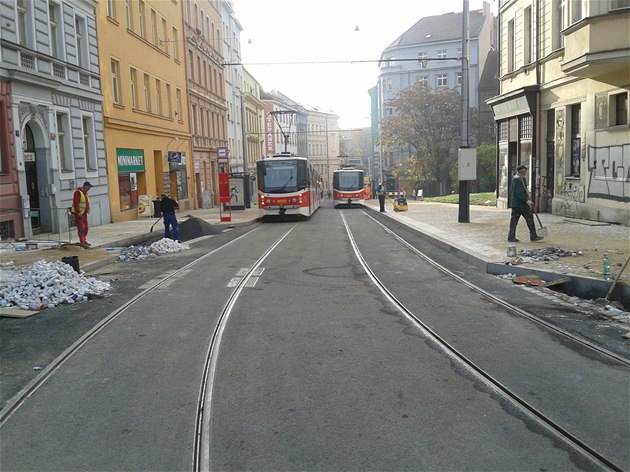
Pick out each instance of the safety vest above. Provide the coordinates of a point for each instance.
(82, 203)
(380, 190)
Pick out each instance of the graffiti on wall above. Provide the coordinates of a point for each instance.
(609, 169)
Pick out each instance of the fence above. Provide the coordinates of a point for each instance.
(39, 225)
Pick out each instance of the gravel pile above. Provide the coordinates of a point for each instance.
(158, 248)
(546, 254)
(45, 285)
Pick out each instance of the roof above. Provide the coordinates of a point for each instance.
(438, 28)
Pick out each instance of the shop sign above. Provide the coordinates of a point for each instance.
(130, 160)
(174, 156)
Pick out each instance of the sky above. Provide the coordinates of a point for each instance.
(288, 36)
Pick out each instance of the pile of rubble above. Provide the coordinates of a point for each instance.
(45, 285)
(158, 248)
(546, 254)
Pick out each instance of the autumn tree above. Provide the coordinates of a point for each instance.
(428, 122)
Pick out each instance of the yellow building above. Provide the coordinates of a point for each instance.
(145, 109)
(563, 105)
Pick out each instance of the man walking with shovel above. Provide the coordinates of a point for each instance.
(521, 205)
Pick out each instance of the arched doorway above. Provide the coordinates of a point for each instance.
(36, 175)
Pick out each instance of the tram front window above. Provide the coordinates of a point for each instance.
(276, 176)
(346, 181)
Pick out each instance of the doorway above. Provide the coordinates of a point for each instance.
(32, 182)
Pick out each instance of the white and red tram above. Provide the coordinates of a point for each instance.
(348, 188)
(288, 185)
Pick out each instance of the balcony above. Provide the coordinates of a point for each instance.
(597, 48)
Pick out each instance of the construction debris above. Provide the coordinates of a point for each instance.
(546, 254)
(158, 248)
(45, 285)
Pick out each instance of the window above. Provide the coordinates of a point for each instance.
(576, 145)
(527, 35)
(178, 104)
(111, 9)
(24, 25)
(424, 80)
(559, 12)
(153, 27)
(459, 78)
(191, 62)
(89, 144)
(134, 87)
(54, 19)
(175, 48)
(158, 96)
(619, 108)
(141, 17)
(63, 142)
(164, 40)
(510, 46)
(116, 81)
(147, 93)
(442, 80)
(4, 144)
(619, 4)
(169, 103)
(128, 14)
(576, 10)
(81, 40)
(194, 119)
(441, 54)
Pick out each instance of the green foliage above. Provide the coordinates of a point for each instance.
(486, 167)
(427, 121)
(483, 199)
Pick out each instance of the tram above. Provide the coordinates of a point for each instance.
(348, 187)
(288, 185)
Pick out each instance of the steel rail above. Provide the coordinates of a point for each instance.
(558, 431)
(504, 303)
(203, 431)
(19, 398)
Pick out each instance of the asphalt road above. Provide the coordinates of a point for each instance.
(316, 369)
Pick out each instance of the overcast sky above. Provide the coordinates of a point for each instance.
(293, 31)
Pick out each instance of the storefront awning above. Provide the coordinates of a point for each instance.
(517, 102)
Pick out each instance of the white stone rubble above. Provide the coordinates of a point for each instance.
(45, 285)
(158, 248)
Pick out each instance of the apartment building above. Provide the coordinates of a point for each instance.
(147, 126)
(562, 108)
(206, 95)
(233, 82)
(253, 128)
(430, 52)
(322, 137)
(50, 115)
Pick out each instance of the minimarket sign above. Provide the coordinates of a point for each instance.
(130, 160)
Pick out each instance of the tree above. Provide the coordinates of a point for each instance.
(427, 121)
(486, 167)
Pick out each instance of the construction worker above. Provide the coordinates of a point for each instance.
(380, 193)
(167, 207)
(80, 209)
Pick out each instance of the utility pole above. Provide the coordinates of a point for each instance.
(464, 191)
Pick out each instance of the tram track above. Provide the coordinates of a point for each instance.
(201, 452)
(20, 397)
(486, 378)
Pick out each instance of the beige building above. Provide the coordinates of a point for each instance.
(562, 108)
(147, 130)
(206, 95)
(253, 128)
(322, 139)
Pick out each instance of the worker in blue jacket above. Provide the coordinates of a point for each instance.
(167, 207)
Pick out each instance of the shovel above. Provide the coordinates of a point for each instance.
(542, 231)
(155, 224)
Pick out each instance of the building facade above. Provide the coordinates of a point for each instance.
(206, 95)
(563, 105)
(233, 82)
(430, 52)
(147, 127)
(253, 123)
(50, 115)
(323, 143)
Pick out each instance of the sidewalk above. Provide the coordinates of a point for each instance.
(482, 241)
(104, 239)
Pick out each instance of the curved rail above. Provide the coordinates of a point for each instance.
(201, 453)
(492, 383)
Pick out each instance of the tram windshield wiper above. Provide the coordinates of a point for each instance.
(286, 183)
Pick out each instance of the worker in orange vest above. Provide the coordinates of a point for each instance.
(80, 209)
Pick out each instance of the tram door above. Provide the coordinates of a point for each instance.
(32, 186)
